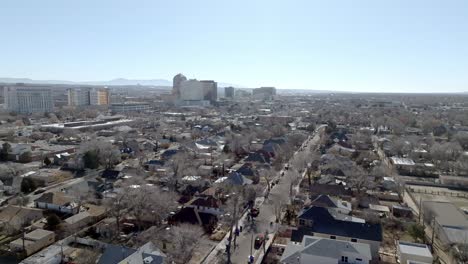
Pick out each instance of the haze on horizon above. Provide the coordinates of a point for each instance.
(368, 46)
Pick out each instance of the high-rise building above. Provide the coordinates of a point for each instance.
(79, 96)
(99, 96)
(27, 99)
(229, 92)
(264, 93)
(176, 84)
(83, 96)
(210, 90)
(194, 90)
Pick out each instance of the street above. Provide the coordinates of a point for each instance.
(242, 251)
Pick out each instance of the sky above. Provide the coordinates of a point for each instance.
(368, 45)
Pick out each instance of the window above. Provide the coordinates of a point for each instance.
(344, 259)
(353, 240)
(301, 222)
(358, 259)
(332, 237)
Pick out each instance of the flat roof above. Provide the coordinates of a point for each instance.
(447, 214)
(414, 249)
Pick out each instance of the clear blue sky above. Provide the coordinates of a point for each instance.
(397, 45)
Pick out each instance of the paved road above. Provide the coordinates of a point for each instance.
(266, 216)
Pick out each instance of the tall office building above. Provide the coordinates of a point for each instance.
(99, 96)
(194, 90)
(27, 99)
(229, 92)
(176, 84)
(264, 93)
(83, 96)
(210, 90)
(79, 96)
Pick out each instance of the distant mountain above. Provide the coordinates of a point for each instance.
(114, 82)
(119, 81)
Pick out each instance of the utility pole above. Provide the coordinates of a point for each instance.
(433, 233)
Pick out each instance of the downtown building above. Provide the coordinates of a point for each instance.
(28, 99)
(194, 92)
(84, 96)
(264, 93)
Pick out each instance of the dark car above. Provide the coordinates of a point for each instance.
(259, 239)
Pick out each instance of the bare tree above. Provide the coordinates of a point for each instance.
(184, 239)
(268, 175)
(117, 206)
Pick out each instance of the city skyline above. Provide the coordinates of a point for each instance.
(419, 46)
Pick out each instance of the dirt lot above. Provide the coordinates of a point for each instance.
(459, 198)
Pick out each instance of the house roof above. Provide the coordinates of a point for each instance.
(325, 223)
(110, 174)
(114, 254)
(324, 201)
(236, 178)
(57, 198)
(446, 214)
(334, 190)
(38, 234)
(256, 157)
(11, 212)
(146, 254)
(414, 249)
(246, 170)
(323, 247)
(205, 201)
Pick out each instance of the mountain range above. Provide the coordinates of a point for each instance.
(113, 82)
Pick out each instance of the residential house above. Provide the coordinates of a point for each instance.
(16, 216)
(57, 201)
(33, 241)
(336, 205)
(332, 190)
(235, 178)
(90, 214)
(314, 249)
(318, 221)
(146, 254)
(413, 253)
(205, 204)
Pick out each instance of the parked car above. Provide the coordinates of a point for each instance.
(259, 239)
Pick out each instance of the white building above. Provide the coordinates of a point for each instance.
(28, 99)
(194, 90)
(176, 84)
(414, 253)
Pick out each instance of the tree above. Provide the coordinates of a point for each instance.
(97, 153)
(460, 252)
(416, 231)
(47, 161)
(52, 221)
(185, 238)
(28, 185)
(90, 159)
(268, 175)
(117, 206)
(6, 148)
